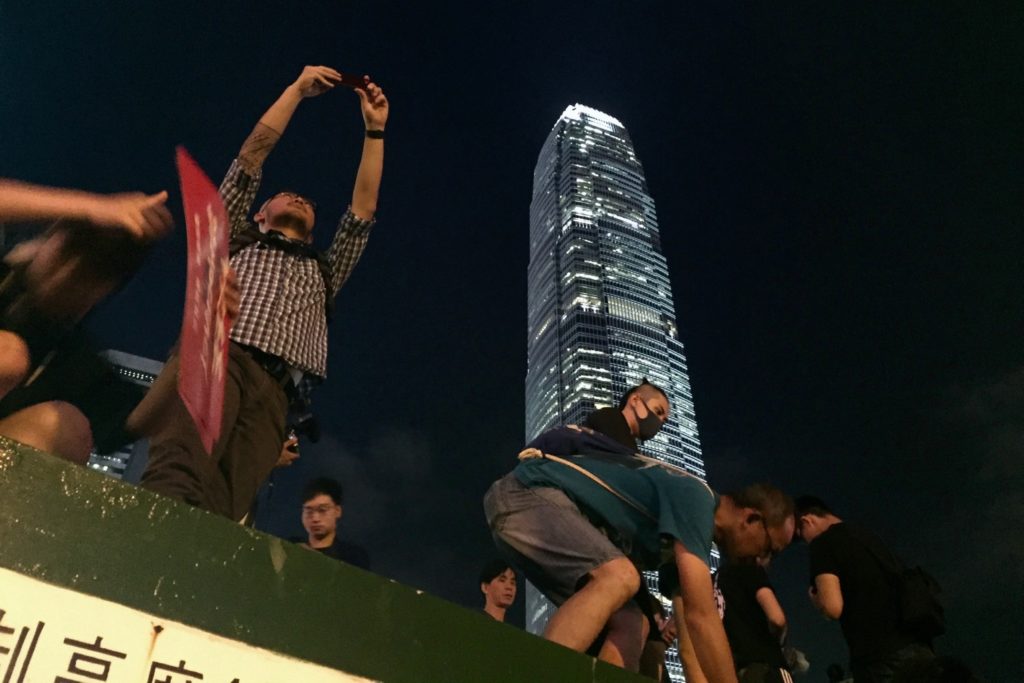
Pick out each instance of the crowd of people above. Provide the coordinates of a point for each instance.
(584, 513)
(581, 516)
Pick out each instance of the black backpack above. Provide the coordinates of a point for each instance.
(921, 611)
(918, 595)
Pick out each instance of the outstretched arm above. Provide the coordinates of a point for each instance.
(313, 81)
(687, 655)
(140, 214)
(700, 618)
(371, 165)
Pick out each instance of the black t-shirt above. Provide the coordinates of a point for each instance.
(354, 554)
(611, 423)
(746, 624)
(870, 617)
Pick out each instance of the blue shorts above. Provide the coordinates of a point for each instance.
(542, 532)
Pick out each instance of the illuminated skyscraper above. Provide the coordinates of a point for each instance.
(128, 463)
(601, 316)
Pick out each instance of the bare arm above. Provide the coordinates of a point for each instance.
(371, 165)
(130, 211)
(700, 618)
(773, 612)
(313, 81)
(827, 596)
(687, 656)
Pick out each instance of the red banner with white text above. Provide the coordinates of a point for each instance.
(203, 351)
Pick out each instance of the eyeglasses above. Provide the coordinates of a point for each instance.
(309, 511)
(298, 197)
(769, 551)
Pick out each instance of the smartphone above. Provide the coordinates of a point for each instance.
(351, 80)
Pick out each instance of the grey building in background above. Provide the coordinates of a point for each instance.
(129, 462)
(601, 316)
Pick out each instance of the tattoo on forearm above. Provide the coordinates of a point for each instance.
(257, 146)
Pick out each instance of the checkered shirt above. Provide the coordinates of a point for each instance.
(283, 310)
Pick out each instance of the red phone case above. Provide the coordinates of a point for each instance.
(353, 81)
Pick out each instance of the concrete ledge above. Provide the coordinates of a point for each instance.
(76, 530)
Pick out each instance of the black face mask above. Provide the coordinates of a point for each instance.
(648, 426)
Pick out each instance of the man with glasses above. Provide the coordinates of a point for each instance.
(754, 622)
(583, 510)
(321, 511)
(278, 348)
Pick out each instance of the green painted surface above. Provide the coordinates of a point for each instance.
(77, 529)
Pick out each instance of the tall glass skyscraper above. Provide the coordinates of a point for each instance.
(601, 316)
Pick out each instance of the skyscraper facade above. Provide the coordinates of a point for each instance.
(600, 310)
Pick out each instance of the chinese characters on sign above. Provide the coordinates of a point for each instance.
(204, 330)
(55, 635)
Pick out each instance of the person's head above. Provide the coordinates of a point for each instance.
(321, 507)
(290, 212)
(755, 522)
(645, 408)
(73, 265)
(813, 517)
(498, 584)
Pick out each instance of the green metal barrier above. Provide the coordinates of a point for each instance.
(121, 584)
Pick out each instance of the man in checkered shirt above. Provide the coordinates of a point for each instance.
(278, 344)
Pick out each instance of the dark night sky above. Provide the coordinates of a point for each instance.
(838, 190)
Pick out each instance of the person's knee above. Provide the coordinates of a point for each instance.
(62, 429)
(15, 360)
(619, 574)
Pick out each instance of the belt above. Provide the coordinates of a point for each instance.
(275, 366)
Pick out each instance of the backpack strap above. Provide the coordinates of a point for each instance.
(531, 453)
(251, 235)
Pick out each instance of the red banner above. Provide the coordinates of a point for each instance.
(204, 330)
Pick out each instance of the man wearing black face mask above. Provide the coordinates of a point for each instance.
(584, 511)
(641, 413)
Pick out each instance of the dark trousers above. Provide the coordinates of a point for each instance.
(887, 670)
(764, 673)
(252, 433)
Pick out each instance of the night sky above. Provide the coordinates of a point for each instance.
(839, 195)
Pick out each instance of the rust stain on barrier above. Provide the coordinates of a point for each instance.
(157, 630)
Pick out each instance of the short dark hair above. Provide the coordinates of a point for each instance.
(323, 485)
(812, 505)
(638, 387)
(775, 505)
(493, 569)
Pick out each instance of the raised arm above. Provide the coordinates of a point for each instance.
(313, 81)
(140, 214)
(371, 165)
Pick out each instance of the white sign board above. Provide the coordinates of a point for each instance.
(50, 634)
